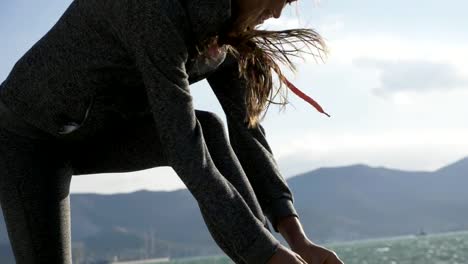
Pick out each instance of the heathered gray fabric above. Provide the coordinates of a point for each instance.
(251, 145)
(34, 196)
(123, 58)
(35, 175)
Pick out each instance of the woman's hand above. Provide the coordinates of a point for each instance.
(291, 229)
(315, 254)
(285, 256)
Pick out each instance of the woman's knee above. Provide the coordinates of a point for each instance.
(209, 119)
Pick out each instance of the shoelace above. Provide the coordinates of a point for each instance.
(304, 96)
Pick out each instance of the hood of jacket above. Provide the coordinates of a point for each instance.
(207, 17)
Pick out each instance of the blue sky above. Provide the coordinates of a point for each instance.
(395, 83)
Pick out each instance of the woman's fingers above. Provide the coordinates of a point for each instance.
(302, 260)
(285, 256)
(333, 259)
(299, 259)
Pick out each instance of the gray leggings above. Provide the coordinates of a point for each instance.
(36, 171)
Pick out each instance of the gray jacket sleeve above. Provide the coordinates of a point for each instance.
(160, 53)
(250, 145)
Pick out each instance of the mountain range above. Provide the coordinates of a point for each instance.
(334, 204)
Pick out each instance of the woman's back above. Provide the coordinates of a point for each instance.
(85, 61)
(55, 81)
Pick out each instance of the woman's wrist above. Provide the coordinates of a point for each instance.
(292, 231)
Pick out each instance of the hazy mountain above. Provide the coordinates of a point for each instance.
(358, 201)
(334, 204)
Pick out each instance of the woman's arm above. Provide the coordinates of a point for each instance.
(156, 43)
(251, 146)
(257, 159)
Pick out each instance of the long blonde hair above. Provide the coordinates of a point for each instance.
(259, 53)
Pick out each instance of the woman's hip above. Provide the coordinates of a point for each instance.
(11, 122)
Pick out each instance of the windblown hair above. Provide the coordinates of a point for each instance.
(259, 53)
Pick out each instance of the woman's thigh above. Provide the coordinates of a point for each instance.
(34, 195)
(123, 146)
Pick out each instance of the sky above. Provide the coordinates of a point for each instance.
(395, 83)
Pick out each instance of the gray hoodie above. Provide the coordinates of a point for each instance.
(128, 52)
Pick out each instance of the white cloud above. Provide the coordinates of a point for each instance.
(413, 75)
(402, 149)
(163, 178)
(353, 45)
